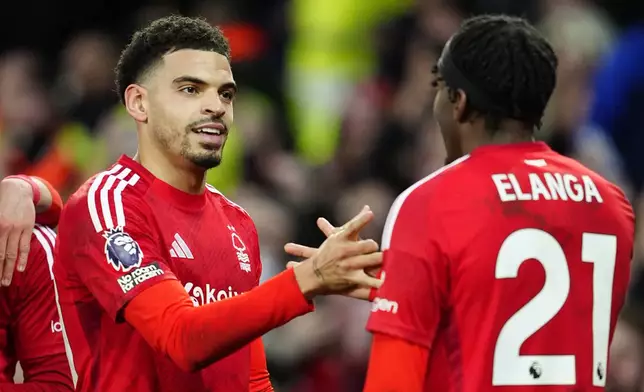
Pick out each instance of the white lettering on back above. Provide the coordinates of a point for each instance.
(547, 186)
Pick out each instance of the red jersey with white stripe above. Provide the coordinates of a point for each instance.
(124, 231)
(30, 331)
(511, 265)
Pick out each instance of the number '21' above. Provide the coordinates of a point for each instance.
(511, 368)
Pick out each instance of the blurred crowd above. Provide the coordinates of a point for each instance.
(334, 112)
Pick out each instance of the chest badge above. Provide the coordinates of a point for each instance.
(240, 248)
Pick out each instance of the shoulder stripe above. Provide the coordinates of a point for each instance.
(400, 200)
(46, 237)
(214, 190)
(103, 189)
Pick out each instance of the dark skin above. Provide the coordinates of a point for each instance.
(463, 134)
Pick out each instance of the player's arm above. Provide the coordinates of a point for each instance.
(407, 309)
(50, 205)
(38, 341)
(44, 196)
(406, 373)
(18, 196)
(150, 298)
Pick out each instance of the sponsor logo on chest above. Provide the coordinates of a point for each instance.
(208, 294)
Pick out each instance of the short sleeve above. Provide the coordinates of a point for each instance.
(35, 321)
(412, 298)
(113, 246)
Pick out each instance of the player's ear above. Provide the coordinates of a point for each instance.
(460, 103)
(136, 102)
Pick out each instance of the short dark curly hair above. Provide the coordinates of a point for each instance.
(510, 63)
(163, 36)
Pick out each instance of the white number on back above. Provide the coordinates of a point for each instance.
(511, 368)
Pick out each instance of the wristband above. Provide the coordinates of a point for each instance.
(34, 186)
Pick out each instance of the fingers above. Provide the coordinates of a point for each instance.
(299, 250)
(364, 261)
(4, 235)
(291, 264)
(11, 258)
(359, 248)
(24, 247)
(353, 227)
(326, 227)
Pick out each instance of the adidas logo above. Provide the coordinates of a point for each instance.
(179, 248)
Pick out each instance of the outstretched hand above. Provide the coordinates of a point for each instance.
(363, 279)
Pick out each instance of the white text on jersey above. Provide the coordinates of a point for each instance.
(201, 297)
(547, 186)
(384, 305)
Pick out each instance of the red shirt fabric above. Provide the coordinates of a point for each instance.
(30, 329)
(510, 265)
(124, 231)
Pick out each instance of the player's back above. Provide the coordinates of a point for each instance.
(539, 250)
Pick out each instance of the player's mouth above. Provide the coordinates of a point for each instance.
(212, 133)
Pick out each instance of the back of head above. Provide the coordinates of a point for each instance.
(505, 66)
(161, 37)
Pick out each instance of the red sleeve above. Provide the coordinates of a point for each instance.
(51, 216)
(260, 380)
(404, 374)
(410, 302)
(38, 340)
(113, 246)
(195, 337)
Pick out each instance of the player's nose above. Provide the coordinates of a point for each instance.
(212, 105)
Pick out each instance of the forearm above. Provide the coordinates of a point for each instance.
(195, 337)
(50, 204)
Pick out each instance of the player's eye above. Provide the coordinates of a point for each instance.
(190, 90)
(228, 95)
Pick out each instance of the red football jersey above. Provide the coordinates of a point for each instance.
(30, 330)
(124, 231)
(511, 265)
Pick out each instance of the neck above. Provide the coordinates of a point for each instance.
(180, 174)
(509, 133)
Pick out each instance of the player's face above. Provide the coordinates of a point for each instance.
(191, 105)
(444, 113)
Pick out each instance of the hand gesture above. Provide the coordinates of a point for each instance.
(17, 219)
(340, 263)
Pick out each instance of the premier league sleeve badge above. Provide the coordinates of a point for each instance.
(122, 251)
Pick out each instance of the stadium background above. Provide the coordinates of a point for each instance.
(333, 113)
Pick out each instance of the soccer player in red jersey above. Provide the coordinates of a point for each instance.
(506, 269)
(30, 331)
(158, 273)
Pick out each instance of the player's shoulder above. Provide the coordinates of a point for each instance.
(609, 191)
(219, 199)
(106, 195)
(434, 185)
